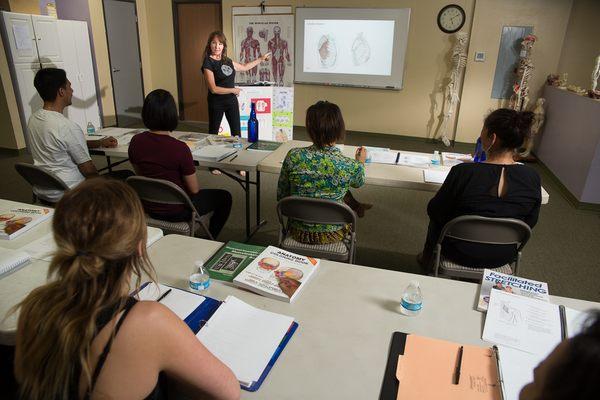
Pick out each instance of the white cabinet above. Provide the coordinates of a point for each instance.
(36, 41)
(46, 36)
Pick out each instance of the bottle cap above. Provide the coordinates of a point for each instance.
(414, 283)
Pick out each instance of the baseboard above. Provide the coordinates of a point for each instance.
(570, 197)
(13, 152)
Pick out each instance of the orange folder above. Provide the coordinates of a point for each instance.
(427, 368)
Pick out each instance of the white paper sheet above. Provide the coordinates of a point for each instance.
(435, 175)
(517, 370)
(415, 160)
(383, 157)
(244, 337)
(23, 38)
(522, 323)
(179, 301)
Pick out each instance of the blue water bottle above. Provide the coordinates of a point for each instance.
(479, 155)
(252, 124)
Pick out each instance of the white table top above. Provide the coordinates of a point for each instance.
(400, 176)
(346, 317)
(247, 160)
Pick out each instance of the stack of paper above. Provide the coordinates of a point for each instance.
(213, 153)
(526, 331)
(244, 338)
(435, 175)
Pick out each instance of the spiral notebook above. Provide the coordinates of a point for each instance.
(12, 260)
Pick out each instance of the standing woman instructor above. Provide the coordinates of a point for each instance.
(219, 72)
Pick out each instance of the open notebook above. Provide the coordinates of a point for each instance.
(244, 338)
(12, 260)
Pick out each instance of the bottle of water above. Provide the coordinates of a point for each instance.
(412, 299)
(199, 280)
(252, 124)
(435, 160)
(479, 155)
(91, 129)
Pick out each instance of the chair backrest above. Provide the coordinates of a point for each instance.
(315, 211)
(484, 230)
(38, 177)
(160, 191)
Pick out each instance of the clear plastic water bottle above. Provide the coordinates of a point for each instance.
(199, 279)
(435, 160)
(252, 124)
(91, 129)
(412, 299)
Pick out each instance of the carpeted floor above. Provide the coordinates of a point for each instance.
(563, 251)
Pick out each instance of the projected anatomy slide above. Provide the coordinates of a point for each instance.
(348, 46)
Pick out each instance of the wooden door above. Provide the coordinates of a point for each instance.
(195, 21)
(46, 33)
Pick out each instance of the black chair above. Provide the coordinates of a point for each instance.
(164, 192)
(317, 211)
(39, 178)
(484, 230)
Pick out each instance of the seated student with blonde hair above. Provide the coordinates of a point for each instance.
(82, 336)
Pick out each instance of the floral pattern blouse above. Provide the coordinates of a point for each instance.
(319, 173)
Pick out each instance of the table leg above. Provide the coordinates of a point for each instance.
(247, 189)
(109, 164)
(258, 222)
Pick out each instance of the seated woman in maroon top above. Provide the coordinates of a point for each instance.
(156, 154)
(498, 188)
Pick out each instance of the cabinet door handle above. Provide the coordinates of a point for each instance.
(115, 70)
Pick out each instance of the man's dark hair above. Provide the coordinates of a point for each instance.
(325, 124)
(159, 112)
(576, 377)
(47, 81)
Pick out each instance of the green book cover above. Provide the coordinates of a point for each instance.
(264, 145)
(231, 259)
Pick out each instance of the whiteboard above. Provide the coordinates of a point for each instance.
(351, 46)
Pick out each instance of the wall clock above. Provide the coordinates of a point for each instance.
(451, 18)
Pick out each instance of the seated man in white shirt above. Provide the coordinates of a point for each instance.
(58, 144)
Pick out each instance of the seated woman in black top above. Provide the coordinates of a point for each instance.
(82, 336)
(498, 188)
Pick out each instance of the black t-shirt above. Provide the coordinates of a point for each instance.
(224, 73)
(472, 189)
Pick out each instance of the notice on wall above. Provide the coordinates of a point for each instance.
(22, 36)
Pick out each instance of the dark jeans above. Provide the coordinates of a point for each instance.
(216, 200)
(120, 175)
(230, 108)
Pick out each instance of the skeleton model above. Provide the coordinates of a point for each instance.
(596, 75)
(539, 115)
(459, 61)
(279, 54)
(520, 97)
(250, 51)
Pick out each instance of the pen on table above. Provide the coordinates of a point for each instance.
(458, 364)
(164, 295)
(233, 158)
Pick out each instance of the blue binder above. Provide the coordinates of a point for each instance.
(200, 315)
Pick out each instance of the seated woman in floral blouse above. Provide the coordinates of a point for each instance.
(321, 171)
